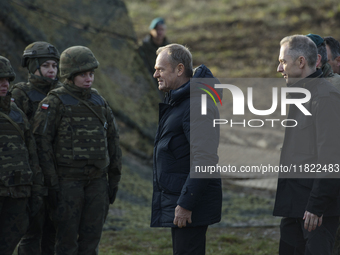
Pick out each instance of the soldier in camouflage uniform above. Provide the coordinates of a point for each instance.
(41, 60)
(78, 145)
(21, 180)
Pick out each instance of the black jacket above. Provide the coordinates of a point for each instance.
(315, 140)
(173, 153)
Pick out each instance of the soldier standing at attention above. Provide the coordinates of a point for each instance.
(78, 148)
(21, 180)
(41, 60)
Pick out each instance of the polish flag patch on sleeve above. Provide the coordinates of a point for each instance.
(44, 106)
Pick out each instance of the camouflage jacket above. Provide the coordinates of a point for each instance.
(332, 77)
(28, 95)
(63, 124)
(19, 168)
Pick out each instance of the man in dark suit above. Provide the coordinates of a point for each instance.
(309, 205)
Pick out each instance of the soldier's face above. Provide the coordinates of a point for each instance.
(48, 69)
(84, 80)
(165, 73)
(4, 85)
(159, 32)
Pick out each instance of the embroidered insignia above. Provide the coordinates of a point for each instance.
(44, 106)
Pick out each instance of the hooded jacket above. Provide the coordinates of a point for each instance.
(179, 147)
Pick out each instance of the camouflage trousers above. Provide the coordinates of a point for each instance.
(13, 223)
(80, 215)
(40, 235)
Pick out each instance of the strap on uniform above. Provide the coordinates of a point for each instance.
(39, 90)
(88, 106)
(14, 124)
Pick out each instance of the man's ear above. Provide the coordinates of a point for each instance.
(303, 63)
(180, 69)
(318, 61)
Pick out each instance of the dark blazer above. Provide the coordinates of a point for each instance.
(315, 140)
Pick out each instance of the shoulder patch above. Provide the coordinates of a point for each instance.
(44, 106)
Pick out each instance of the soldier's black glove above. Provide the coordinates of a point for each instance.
(36, 200)
(113, 192)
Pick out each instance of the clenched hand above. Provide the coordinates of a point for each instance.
(182, 216)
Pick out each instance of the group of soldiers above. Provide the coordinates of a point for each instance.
(60, 155)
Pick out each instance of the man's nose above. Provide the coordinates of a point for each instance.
(279, 68)
(155, 75)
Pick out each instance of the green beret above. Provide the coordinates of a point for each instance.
(155, 22)
(317, 39)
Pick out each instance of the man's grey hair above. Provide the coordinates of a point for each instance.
(333, 45)
(301, 45)
(178, 54)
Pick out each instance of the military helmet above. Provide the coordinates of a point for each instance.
(75, 60)
(6, 70)
(39, 50)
